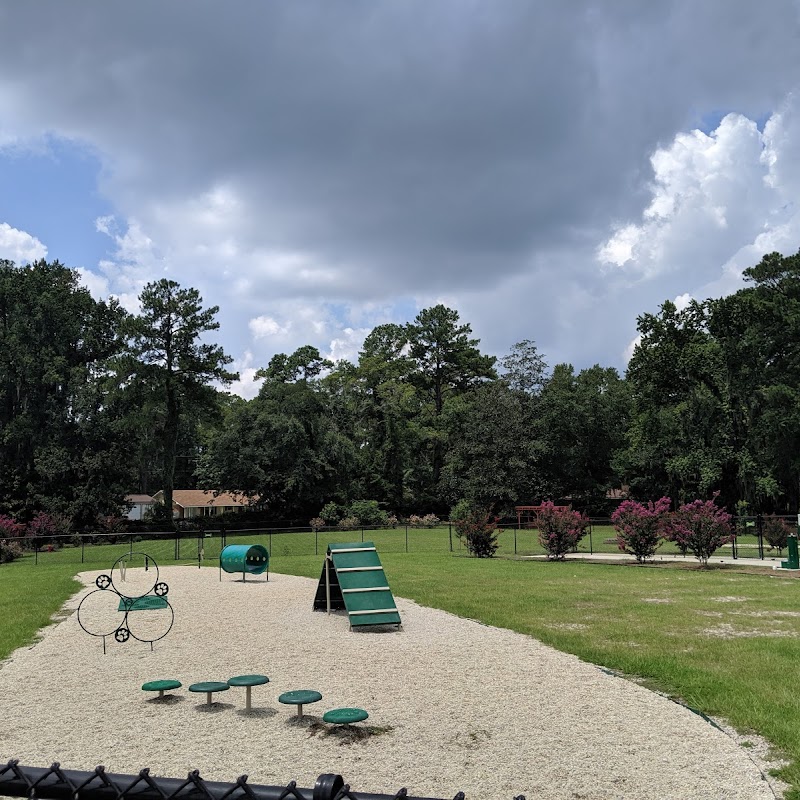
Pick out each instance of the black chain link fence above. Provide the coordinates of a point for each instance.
(54, 783)
(516, 537)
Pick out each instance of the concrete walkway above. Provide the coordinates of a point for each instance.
(773, 563)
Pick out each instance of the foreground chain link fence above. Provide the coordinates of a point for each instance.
(54, 783)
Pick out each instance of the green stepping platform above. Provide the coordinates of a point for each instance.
(344, 716)
(209, 687)
(299, 698)
(248, 681)
(161, 686)
(353, 578)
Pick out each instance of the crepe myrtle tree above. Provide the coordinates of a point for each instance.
(560, 529)
(700, 528)
(639, 527)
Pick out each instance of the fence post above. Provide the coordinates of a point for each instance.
(515, 541)
(591, 550)
(406, 538)
(316, 542)
(362, 533)
(83, 545)
(760, 531)
(130, 543)
(449, 530)
(269, 531)
(733, 543)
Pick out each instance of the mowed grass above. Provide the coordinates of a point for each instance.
(28, 599)
(723, 641)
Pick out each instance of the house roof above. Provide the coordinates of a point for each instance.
(139, 498)
(199, 498)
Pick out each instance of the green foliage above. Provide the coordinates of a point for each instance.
(493, 453)
(776, 531)
(331, 513)
(159, 514)
(62, 449)
(524, 368)
(368, 513)
(580, 424)
(171, 366)
(477, 527)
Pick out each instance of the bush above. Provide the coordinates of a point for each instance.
(347, 524)
(428, 521)
(10, 550)
(560, 529)
(391, 521)
(44, 529)
(9, 529)
(316, 524)
(776, 531)
(368, 513)
(700, 528)
(159, 514)
(331, 513)
(639, 527)
(477, 527)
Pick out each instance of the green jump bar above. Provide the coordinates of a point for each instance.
(146, 603)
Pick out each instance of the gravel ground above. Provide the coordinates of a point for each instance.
(453, 704)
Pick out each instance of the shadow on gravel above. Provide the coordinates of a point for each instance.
(347, 734)
(214, 708)
(261, 713)
(166, 700)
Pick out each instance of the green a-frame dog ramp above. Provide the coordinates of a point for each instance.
(353, 578)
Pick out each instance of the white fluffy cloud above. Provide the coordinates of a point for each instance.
(718, 203)
(709, 199)
(19, 246)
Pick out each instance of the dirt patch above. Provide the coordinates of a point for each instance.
(727, 631)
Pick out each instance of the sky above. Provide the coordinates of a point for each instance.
(319, 167)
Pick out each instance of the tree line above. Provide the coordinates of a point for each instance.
(97, 403)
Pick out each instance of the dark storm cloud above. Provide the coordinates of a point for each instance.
(422, 142)
(411, 149)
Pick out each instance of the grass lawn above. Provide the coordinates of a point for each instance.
(725, 641)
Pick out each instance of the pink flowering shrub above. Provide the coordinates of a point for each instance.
(10, 539)
(700, 528)
(560, 529)
(44, 529)
(10, 529)
(639, 527)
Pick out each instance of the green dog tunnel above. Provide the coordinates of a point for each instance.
(244, 558)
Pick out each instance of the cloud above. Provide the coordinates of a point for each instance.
(264, 326)
(347, 346)
(246, 386)
(708, 199)
(19, 246)
(419, 151)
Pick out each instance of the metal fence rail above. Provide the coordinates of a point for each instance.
(204, 546)
(54, 783)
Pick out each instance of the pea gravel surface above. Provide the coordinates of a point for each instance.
(453, 704)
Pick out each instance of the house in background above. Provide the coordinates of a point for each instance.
(190, 503)
(139, 503)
